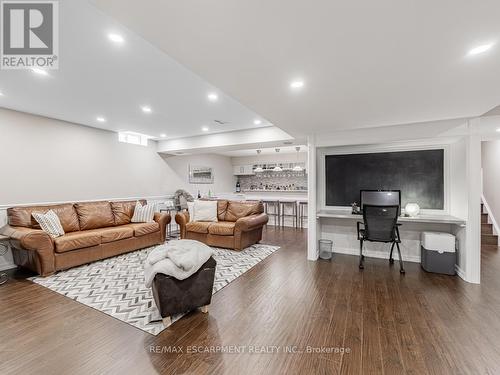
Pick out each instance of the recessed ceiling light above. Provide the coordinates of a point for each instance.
(480, 49)
(101, 119)
(205, 128)
(213, 97)
(146, 109)
(163, 135)
(116, 38)
(39, 71)
(1, 93)
(498, 130)
(297, 84)
(257, 122)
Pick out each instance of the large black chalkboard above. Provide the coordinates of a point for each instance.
(418, 174)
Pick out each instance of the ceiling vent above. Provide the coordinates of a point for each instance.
(220, 122)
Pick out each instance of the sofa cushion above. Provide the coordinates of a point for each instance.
(141, 229)
(237, 209)
(22, 216)
(198, 226)
(77, 240)
(123, 211)
(115, 233)
(94, 215)
(221, 209)
(222, 228)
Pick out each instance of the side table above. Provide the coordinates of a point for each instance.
(168, 206)
(4, 248)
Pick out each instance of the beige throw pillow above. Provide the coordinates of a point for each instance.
(205, 211)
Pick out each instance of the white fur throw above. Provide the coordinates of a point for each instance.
(179, 259)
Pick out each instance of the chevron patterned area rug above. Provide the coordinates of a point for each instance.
(115, 286)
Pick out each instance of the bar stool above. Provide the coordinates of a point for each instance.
(302, 212)
(292, 204)
(272, 209)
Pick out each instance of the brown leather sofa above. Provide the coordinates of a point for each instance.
(239, 225)
(93, 231)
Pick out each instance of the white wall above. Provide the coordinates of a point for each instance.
(46, 160)
(224, 181)
(490, 152)
(458, 178)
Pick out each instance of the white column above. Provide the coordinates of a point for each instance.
(473, 229)
(312, 224)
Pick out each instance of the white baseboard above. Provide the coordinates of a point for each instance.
(377, 254)
(461, 274)
(46, 203)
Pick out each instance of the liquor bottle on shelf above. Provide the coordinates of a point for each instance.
(238, 186)
(199, 194)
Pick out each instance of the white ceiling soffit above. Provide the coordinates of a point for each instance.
(364, 63)
(386, 134)
(283, 150)
(238, 140)
(97, 77)
(493, 112)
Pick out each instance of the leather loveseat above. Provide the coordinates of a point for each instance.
(93, 231)
(239, 225)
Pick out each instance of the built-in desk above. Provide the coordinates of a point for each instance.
(340, 227)
(438, 219)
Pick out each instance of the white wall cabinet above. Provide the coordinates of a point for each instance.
(243, 170)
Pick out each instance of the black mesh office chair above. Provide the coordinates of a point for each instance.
(380, 224)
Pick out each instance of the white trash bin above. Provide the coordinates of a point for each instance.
(325, 249)
(438, 253)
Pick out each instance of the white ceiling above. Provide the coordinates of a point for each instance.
(364, 63)
(99, 78)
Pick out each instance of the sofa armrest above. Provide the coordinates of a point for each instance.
(33, 240)
(251, 222)
(182, 218)
(163, 219)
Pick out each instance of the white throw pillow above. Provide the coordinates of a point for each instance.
(205, 211)
(143, 214)
(49, 222)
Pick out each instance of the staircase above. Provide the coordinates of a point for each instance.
(487, 236)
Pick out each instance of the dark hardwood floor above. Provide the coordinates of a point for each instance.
(387, 323)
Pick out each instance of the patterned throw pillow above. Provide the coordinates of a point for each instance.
(49, 222)
(143, 214)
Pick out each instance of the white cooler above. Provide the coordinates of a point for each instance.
(438, 253)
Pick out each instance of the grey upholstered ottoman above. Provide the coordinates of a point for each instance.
(174, 296)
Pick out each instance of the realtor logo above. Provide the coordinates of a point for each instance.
(30, 34)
